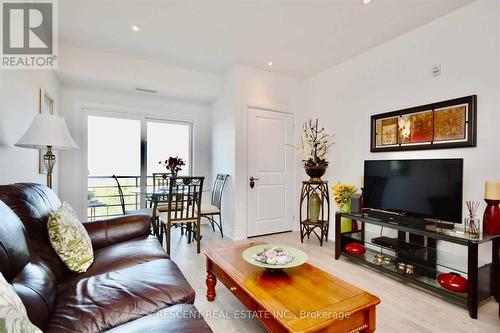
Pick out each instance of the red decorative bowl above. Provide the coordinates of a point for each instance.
(354, 248)
(454, 282)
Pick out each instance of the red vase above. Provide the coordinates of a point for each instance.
(354, 225)
(491, 217)
(454, 282)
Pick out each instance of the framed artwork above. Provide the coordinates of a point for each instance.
(448, 124)
(388, 128)
(45, 106)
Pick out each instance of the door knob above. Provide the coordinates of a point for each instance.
(252, 181)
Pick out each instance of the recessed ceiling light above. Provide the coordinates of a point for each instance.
(270, 63)
(365, 2)
(135, 28)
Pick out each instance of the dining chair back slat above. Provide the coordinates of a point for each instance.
(160, 180)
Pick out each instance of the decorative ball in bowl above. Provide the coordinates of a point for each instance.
(274, 256)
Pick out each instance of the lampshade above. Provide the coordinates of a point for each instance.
(492, 190)
(47, 130)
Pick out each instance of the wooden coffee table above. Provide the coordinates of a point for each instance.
(300, 299)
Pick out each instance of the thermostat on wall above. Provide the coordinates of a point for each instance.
(436, 70)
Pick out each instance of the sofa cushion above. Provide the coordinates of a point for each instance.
(33, 203)
(36, 286)
(13, 317)
(123, 255)
(14, 254)
(114, 230)
(178, 318)
(101, 302)
(70, 240)
(30, 276)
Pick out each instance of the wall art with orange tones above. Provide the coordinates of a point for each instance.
(448, 124)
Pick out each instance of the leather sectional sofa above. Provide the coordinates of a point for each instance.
(132, 286)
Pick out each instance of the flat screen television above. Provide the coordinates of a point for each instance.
(427, 188)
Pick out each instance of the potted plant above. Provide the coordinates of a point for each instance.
(314, 146)
(342, 194)
(174, 164)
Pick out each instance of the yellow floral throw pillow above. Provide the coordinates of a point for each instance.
(13, 317)
(70, 240)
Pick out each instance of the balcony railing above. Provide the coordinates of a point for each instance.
(104, 198)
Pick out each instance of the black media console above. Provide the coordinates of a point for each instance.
(416, 245)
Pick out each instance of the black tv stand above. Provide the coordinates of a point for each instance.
(417, 246)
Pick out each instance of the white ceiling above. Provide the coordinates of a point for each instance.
(300, 37)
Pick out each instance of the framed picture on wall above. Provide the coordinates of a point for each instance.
(448, 124)
(45, 106)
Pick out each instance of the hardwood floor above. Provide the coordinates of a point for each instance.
(402, 309)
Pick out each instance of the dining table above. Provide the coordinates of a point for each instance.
(153, 195)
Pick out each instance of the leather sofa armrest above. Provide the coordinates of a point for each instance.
(117, 229)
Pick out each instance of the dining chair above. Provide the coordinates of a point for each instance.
(148, 211)
(210, 212)
(183, 192)
(160, 181)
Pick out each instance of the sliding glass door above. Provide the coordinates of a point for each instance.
(131, 149)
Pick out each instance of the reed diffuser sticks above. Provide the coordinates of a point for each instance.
(472, 225)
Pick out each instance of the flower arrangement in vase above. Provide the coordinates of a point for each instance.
(342, 194)
(314, 146)
(174, 164)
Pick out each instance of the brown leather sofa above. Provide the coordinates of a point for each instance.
(132, 286)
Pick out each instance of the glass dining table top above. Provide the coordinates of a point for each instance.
(154, 191)
(149, 190)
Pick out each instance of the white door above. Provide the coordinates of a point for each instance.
(270, 163)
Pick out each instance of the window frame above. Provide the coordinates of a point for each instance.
(84, 110)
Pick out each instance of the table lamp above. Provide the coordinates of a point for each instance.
(50, 132)
(491, 217)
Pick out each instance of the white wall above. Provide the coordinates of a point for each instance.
(19, 102)
(97, 69)
(73, 169)
(244, 87)
(397, 75)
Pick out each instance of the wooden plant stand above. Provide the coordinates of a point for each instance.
(306, 225)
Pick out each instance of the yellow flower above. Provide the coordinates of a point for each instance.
(343, 193)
